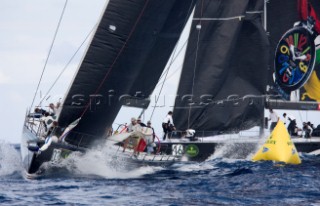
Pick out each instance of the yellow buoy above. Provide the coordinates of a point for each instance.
(278, 147)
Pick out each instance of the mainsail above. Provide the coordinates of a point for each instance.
(127, 54)
(224, 73)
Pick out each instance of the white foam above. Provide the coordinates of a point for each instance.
(10, 160)
(195, 167)
(316, 152)
(235, 150)
(101, 163)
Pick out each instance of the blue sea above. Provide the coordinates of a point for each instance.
(217, 181)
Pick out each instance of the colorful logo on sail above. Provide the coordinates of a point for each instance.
(294, 59)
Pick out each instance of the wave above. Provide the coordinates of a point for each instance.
(10, 160)
(235, 151)
(96, 163)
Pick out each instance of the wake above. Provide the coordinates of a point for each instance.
(102, 163)
(97, 162)
(10, 160)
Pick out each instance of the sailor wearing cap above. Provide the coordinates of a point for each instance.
(153, 133)
(133, 138)
(132, 125)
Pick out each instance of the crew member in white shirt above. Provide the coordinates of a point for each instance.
(273, 116)
(284, 119)
(167, 125)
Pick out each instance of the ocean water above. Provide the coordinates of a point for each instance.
(218, 181)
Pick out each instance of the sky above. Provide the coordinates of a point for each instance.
(27, 29)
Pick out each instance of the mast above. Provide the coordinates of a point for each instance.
(219, 90)
(262, 122)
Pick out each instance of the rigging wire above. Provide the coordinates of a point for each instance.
(301, 119)
(195, 60)
(165, 77)
(182, 47)
(66, 66)
(118, 55)
(184, 44)
(168, 77)
(171, 62)
(49, 53)
(175, 57)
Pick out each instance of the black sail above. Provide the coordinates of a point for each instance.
(224, 72)
(134, 38)
(167, 38)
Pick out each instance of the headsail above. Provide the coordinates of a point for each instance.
(224, 73)
(134, 39)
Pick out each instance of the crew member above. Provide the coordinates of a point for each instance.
(167, 125)
(273, 116)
